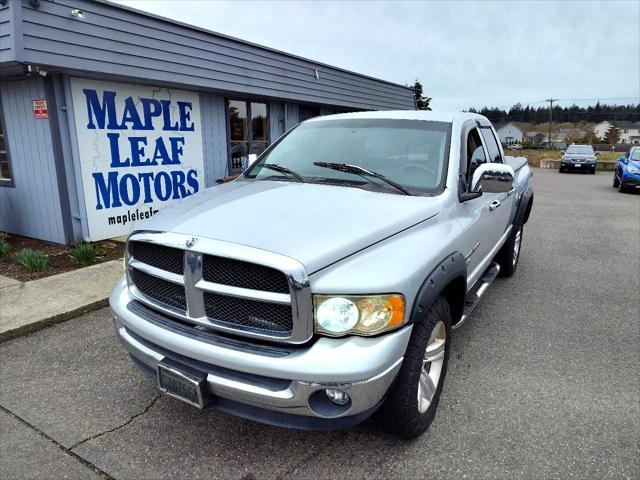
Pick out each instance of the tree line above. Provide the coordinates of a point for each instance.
(573, 114)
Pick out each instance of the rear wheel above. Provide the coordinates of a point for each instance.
(509, 254)
(412, 402)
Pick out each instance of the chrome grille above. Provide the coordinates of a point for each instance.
(258, 316)
(227, 271)
(162, 291)
(159, 256)
(233, 288)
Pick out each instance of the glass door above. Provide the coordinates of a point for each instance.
(246, 138)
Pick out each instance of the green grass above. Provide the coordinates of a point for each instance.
(84, 253)
(33, 260)
(4, 246)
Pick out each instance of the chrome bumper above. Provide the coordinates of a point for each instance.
(286, 383)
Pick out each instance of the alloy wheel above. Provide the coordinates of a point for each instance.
(431, 366)
(516, 246)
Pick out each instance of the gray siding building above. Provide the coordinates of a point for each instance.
(109, 114)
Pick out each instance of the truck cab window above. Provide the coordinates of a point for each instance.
(492, 146)
(475, 155)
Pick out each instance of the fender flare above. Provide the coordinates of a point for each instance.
(453, 266)
(524, 207)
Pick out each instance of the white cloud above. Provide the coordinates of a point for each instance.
(464, 53)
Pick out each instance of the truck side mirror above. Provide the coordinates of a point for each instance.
(492, 178)
(252, 157)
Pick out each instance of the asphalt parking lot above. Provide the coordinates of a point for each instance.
(544, 380)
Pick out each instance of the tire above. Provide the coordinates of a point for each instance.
(593, 171)
(616, 182)
(561, 170)
(509, 255)
(621, 188)
(404, 413)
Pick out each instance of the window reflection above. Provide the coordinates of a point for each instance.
(244, 140)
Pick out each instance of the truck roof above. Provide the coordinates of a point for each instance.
(439, 116)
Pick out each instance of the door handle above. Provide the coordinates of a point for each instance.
(493, 205)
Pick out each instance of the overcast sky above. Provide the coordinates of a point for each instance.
(465, 53)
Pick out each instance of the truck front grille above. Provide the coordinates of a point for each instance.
(250, 314)
(162, 291)
(159, 256)
(218, 292)
(243, 274)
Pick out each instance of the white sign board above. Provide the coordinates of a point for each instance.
(140, 149)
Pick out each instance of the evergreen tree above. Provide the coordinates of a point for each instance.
(422, 102)
(612, 135)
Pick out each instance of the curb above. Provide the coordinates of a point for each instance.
(48, 322)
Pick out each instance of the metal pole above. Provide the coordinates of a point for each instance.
(550, 100)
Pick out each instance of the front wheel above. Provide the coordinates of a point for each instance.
(616, 182)
(509, 254)
(621, 187)
(413, 399)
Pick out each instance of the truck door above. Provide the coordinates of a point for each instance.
(483, 220)
(499, 205)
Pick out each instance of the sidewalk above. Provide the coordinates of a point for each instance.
(26, 307)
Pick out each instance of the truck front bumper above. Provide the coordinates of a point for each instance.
(276, 385)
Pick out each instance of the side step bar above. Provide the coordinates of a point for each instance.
(476, 293)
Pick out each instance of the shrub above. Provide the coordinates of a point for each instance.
(4, 246)
(33, 260)
(84, 253)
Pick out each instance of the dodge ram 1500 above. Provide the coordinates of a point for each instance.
(324, 283)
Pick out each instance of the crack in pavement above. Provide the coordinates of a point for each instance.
(293, 470)
(100, 434)
(54, 442)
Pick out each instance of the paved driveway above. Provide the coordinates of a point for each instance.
(544, 381)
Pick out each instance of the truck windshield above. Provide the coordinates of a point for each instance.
(411, 153)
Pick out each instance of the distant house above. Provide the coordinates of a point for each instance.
(536, 138)
(629, 131)
(509, 133)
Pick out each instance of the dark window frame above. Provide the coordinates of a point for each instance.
(248, 102)
(485, 128)
(10, 182)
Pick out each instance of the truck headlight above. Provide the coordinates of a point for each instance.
(633, 170)
(337, 315)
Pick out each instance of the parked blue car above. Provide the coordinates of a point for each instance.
(626, 176)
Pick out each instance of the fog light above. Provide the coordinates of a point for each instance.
(338, 397)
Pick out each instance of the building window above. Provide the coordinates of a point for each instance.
(247, 137)
(5, 167)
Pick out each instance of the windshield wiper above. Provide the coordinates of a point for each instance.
(283, 169)
(345, 167)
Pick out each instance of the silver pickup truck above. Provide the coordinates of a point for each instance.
(323, 285)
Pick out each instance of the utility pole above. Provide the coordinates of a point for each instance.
(550, 100)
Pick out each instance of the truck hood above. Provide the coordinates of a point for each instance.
(314, 224)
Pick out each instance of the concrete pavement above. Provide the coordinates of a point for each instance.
(26, 307)
(544, 380)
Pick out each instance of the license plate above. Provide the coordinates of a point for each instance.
(179, 384)
(577, 164)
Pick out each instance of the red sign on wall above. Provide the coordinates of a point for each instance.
(40, 110)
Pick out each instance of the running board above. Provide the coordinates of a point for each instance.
(476, 293)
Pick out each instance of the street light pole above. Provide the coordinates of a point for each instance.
(550, 100)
